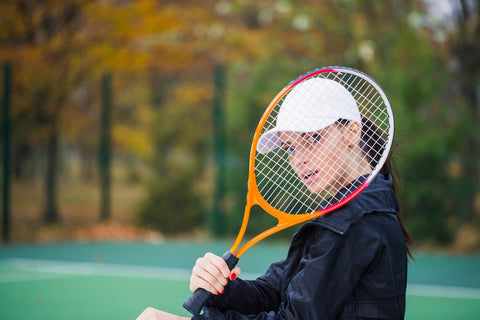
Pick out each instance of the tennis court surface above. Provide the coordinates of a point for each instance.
(118, 280)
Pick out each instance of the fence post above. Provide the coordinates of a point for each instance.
(105, 147)
(6, 153)
(218, 216)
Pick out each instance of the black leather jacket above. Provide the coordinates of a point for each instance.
(349, 264)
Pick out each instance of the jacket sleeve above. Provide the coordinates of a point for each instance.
(324, 279)
(252, 296)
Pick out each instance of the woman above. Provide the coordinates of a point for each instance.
(349, 264)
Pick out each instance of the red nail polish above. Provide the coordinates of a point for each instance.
(223, 291)
(233, 276)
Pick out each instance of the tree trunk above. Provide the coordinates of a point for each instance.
(51, 208)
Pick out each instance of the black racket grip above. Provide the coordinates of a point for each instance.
(196, 301)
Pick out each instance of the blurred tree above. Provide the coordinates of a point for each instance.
(162, 54)
(37, 37)
(442, 171)
(465, 57)
(176, 198)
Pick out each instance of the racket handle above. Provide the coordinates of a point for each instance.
(196, 301)
(230, 259)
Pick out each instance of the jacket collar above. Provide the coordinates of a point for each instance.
(377, 197)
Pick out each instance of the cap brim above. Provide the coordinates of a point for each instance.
(270, 140)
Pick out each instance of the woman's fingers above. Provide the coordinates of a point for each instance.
(219, 263)
(210, 273)
(235, 273)
(207, 281)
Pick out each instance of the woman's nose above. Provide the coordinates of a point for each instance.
(300, 156)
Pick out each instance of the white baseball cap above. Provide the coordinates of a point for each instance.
(310, 106)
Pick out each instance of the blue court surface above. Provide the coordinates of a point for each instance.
(119, 280)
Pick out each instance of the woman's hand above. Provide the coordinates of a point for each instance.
(154, 314)
(212, 274)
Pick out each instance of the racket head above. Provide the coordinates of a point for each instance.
(319, 102)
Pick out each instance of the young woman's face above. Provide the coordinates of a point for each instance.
(319, 158)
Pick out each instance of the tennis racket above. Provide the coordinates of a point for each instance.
(298, 123)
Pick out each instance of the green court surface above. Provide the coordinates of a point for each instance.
(119, 280)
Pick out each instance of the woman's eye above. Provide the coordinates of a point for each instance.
(314, 138)
(289, 149)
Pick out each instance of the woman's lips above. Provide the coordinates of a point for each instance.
(309, 176)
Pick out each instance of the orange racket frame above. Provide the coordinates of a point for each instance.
(255, 198)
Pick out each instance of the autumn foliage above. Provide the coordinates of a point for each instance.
(161, 55)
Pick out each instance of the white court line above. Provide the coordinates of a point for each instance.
(15, 278)
(58, 269)
(425, 290)
(90, 268)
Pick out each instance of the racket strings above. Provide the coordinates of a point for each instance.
(284, 189)
(277, 188)
(372, 106)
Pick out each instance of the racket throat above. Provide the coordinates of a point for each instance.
(243, 228)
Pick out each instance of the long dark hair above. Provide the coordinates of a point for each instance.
(390, 168)
(373, 144)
